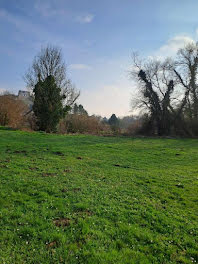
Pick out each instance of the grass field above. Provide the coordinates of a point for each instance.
(87, 199)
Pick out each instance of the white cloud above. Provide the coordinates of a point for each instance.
(85, 18)
(173, 45)
(80, 67)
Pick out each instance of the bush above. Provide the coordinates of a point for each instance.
(83, 124)
(12, 111)
(134, 128)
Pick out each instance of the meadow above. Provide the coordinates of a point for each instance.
(90, 199)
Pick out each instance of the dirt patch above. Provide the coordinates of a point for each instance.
(117, 165)
(67, 170)
(51, 244)
(33, 168)
(88, 212)
(62, 222)
(58, 153)
(3, 166)
(122, 166)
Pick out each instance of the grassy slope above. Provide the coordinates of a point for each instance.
(81, 208)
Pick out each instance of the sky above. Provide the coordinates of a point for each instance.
(97, 39)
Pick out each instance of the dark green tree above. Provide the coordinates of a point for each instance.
(48, 104)
(113, 120)
(79, 110)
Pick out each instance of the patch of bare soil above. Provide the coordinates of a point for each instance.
(33, 168)
(67, 170)
(51, 244)
(122, 166)
(3, 166)
(62, 222)
(117, 165)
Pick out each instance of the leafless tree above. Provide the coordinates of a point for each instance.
(186, 71)
(162, 93)
(49, 62)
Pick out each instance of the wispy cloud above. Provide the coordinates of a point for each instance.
(52, 9)
(173, 45)
(85, 18)
(80, 67)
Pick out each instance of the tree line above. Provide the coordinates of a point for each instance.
(168, 93)
(167, 101)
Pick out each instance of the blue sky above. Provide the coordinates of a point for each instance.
(97, 39)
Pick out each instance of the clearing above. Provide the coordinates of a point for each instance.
(88, 199)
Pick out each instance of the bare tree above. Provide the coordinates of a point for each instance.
(49, 62)
(156, 87)
(186, 71)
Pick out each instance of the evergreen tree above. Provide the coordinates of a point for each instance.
(48, 104)
(79, 110)
(113, 120)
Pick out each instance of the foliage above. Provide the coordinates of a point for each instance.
(48, 104)
(12, 111)
(168, 91)
(88, 199)
(79, 110)
(159, 108)
(114, 123)
(49, 62)
(75, 123)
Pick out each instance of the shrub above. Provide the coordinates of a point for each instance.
(12, 111)
(83, 124)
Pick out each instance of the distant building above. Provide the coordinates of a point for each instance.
(26, 97)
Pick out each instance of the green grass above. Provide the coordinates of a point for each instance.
(88, 199)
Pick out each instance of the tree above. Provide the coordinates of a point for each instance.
(114, 123)
(79, 110)
(113, 120)
(48, 104)
(49, 62)
(159, 108)
(186, 71)
(157, 95)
